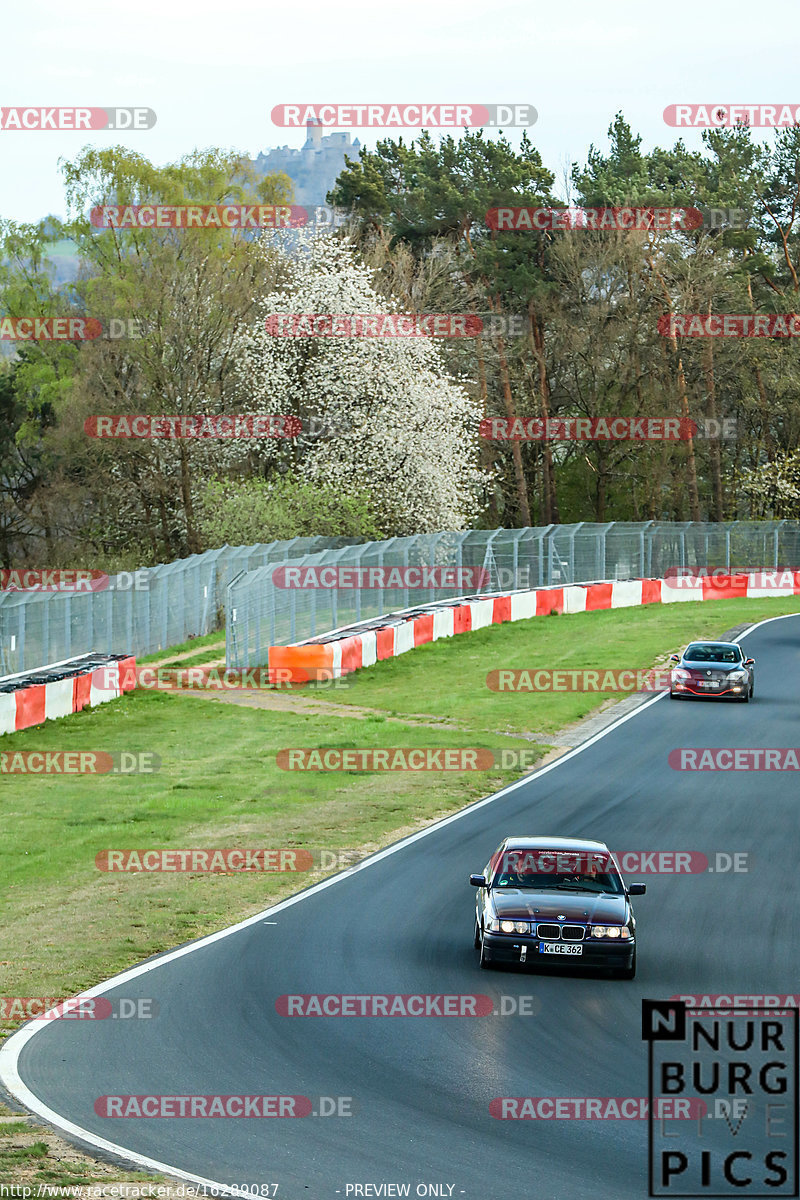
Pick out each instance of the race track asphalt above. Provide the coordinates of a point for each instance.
(421, 1087)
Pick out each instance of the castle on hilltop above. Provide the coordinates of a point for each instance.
(315, 167)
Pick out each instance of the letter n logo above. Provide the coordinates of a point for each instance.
(663, 1021)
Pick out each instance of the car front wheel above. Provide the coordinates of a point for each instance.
(484, 961)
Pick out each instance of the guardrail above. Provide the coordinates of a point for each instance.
(28, 698)
(349, 649)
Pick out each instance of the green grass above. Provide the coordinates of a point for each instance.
(194, 660)
(454, 670)
(198, 643)
(69, 925)
(219, 785)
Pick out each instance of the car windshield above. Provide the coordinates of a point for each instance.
(546, 870)
(708, 652)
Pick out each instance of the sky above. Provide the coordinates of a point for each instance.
(213, 72)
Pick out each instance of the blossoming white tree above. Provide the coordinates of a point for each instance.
(391, 419)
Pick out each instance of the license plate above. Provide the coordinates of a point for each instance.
(710, 684)
(559, 948)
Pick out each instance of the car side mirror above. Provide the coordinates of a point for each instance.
(749, 662)
(478, 880)
(637, 889)
(674, 658)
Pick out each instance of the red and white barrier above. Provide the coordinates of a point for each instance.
(351, 651)
(40, 702)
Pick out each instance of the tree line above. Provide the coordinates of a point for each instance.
(392, 441)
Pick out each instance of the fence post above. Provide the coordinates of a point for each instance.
(164, 613)
(46, 632)
(21, 633)
(405, 574)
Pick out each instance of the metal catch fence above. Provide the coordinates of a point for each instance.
(335, 588)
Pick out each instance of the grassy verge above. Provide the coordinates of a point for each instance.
(70, 925)
(447, 679)
(32, 1155)
(219, 784)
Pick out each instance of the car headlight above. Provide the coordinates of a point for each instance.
(611, 931)
(739, 676)
(514, 927)
(598, 931)
(678, 673)
(498, 926)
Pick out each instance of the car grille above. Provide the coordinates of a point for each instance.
(550, 933)
(555, 933)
